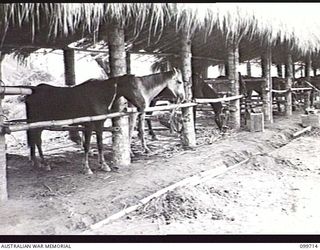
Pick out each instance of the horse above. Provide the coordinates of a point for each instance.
(200, 89)
(93, 97)
(314, 80)
(250, 86)
(144, 89)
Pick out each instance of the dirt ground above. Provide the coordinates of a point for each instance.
(275, 192)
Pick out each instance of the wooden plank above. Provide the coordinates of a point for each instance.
(296, 134)
(193, 180)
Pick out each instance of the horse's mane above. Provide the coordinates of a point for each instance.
(151, 81)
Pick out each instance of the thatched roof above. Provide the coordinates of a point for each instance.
(287, 27)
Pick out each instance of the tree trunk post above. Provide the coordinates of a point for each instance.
(69, 71)
(118, 67)
(249, 69)
(188, 136)
(233, 68)
(267, 85)
(1, 60)
(279, 70)
(3, 162)
(289, 80)
(308, 97)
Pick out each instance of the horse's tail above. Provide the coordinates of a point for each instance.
(28, 116)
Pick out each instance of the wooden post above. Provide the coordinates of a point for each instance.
(267, 85)
(233, 68)
(118, 67)
(308, 99)
(1, 60)
(226, 69)
(188, 134)
(249, 69)
(279, 70)
(128, 62)
(69, 72)
(289, 80)
(3, 162)
(314, 71)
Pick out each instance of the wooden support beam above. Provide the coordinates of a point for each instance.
(69, 71)
(289, 81)
(267, 85)
(233, 68)
(118, 67)
(188, 132)
(308, 99)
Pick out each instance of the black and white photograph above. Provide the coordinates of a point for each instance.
(159, 119)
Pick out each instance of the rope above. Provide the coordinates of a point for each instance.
(114, 96)
(174, 120)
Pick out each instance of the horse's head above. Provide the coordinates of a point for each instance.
(175, 84)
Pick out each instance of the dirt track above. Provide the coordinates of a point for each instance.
(270, 189)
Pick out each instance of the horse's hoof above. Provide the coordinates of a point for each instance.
(47, 167)
(147, 150)
(105, 167)
(87, 171)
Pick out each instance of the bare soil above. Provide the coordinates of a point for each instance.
(275, 192)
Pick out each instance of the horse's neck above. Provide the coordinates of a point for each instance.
(150, 94)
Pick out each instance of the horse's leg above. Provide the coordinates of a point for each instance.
(141, 132)
(103, 165)
(132, 125)
(43, 162)
(151, 132)
(86, 145)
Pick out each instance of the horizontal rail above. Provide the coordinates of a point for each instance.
(164, 107)
(280, 91)
(217, 81)
(262, 79)
(55, 123)
(75, 128)
(300, 89)
(223, 99)
(15, 90)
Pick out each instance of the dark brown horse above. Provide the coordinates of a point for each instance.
(315, 82)
(93, 97)
(200, 89)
